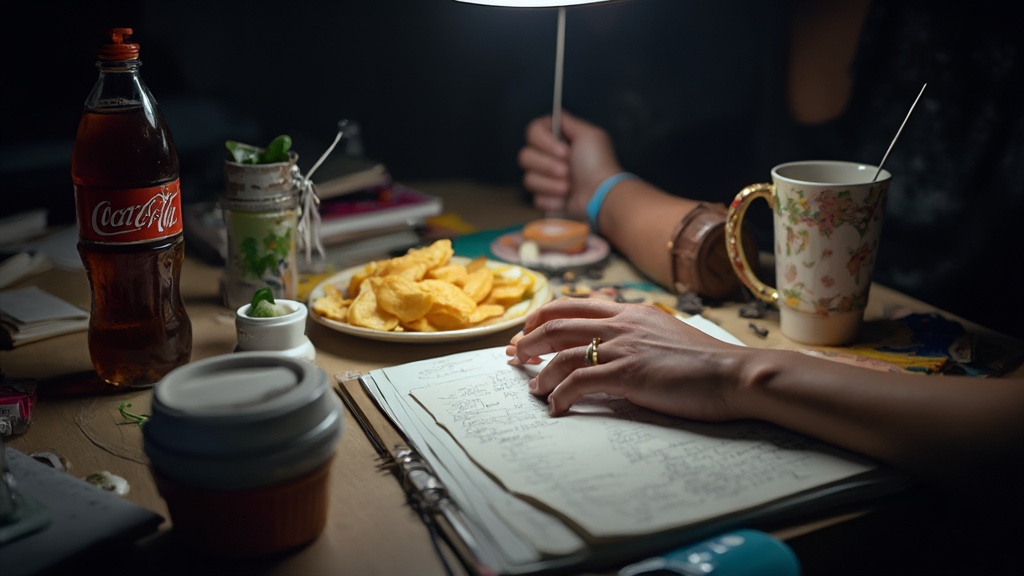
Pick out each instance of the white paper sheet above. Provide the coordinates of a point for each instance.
(618, 470)
(615, 470)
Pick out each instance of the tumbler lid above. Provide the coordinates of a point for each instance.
(242, 420)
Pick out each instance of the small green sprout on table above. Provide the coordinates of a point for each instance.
(131, 417)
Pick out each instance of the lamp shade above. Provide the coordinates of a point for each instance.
(532, 3)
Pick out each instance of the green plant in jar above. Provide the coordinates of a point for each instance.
(260, 213)
(276, 151)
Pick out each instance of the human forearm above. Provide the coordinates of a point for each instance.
(935, 427)
(638, 219)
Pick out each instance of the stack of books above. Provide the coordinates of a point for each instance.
(29, 314)
(365, 214)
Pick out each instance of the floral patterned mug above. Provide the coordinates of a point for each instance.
(827, 225)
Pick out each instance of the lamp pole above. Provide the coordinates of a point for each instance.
(556, 108)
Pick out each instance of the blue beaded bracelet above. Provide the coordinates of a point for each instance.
(594, 205)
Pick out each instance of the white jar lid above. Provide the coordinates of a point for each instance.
(242, 420)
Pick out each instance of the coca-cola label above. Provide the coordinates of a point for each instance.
(129, 216)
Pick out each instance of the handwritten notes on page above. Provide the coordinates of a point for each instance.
(618, 470)
(514, 532)
(607, 480)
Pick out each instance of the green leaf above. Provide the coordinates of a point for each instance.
(261, 295)
(278, 150)
(243, 153)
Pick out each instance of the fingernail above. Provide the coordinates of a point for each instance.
(533, 383)
(514, 361)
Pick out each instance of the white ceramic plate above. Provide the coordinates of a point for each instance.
(513, 316)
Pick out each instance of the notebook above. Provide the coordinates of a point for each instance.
(524, 493)
(78, 517)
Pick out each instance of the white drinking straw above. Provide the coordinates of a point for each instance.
(891, 144)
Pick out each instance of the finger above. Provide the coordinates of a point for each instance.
(510, 350)
(560, 367)
(532, 159)
(538, 134)
(562, 334)
(515, 361)
(571, 308)
(574, 126)
(555, 336)
(579, 382)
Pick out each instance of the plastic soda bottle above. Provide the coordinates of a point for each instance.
(128, 203)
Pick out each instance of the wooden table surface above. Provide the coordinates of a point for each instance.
(370, 529)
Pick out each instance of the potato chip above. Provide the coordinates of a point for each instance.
(332, 308)
(403, 298)
(332, 304)
(419, 325)
(357, 279)
(365, 312)
(506, 295)
(453, 273)
(448, 298)
(485, 312)
(415, 263)
(448, 320)
(478, 284)
(476, 264)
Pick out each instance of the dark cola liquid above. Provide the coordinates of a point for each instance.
(139, 329)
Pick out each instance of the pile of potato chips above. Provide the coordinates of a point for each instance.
(424, 291)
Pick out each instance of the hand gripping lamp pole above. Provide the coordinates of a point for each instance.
(556, 109)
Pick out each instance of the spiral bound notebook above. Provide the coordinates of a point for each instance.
(518, 492)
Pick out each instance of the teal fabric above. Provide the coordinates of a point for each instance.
(479, 243)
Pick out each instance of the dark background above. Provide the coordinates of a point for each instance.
(441, 89)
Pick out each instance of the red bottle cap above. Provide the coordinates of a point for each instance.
(117, 49)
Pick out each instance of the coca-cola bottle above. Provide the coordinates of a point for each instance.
(125, 170)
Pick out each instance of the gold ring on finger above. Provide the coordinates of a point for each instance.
(591, 354)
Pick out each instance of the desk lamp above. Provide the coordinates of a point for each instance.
(556, 111)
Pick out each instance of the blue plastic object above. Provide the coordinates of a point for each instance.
(737, 553)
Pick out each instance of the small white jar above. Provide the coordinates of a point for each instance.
(285, 334)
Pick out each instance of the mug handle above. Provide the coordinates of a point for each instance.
(733, 228)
